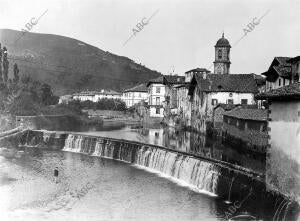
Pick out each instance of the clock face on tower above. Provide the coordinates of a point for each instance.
(219, 69)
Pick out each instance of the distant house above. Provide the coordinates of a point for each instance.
(283, 160)
(208, 90)
(95, 96)
(65, 99)
(135, 95)
(189, 74)
(171, 112)
(246, 128)
(157, 92)
(279, 73)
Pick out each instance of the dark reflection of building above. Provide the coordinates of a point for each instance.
(204, 146)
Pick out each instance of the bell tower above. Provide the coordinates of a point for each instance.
(222, 56)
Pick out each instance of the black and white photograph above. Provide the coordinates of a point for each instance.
(149, 110)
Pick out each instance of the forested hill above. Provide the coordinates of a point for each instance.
(70, 65)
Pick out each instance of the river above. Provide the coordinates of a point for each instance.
(95, 188)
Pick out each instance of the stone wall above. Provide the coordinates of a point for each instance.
(245, 138)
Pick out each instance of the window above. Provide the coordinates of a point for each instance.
(283, 82)
(157, 90)
(279, 82)
(244, 101)
(219, 54)
(214, 102)
(230, 101)
(157, 110)
(157, 100)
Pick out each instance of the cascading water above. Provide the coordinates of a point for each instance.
(198, 174)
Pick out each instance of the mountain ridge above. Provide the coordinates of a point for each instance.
(70, 65)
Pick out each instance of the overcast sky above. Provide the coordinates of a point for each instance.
(180, 36)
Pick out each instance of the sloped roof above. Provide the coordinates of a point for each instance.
(226, 107)
(167, 79)
(159, 80)
(248, 114)
(295, 59)
(173, 79)
(260, 80)
(279, 67)
(198, 70)
(283, 71)
(283, 60)
(138, 88)
(239, 83)
(291, 91)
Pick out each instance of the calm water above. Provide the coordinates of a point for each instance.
(92, 188)
(185, 141)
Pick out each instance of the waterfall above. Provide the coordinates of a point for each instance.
(199, 175)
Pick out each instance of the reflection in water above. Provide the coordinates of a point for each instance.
(92, 188)
(194, 143)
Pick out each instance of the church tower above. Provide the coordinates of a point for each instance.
(222, 56)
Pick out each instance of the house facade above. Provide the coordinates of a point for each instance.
(157, 92)
(171, 110)
(95, 96)
(280, 72)
(135, 95)
(208, 90)
(183, 98)
(283, 161)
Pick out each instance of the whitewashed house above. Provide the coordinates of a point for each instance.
(208, 90)
(95, 96)
(135, 95)
(283, 161)
(157, 92)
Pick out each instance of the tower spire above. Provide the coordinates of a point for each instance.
(223, 35)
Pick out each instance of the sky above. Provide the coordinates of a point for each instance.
(179, 36)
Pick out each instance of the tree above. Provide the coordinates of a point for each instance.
(1, 79)
(5, 65)
(47, 96)
(16, 74)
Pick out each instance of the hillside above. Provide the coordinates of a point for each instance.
(70, 65)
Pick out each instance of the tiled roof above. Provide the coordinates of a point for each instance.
(173, 79)
(226, 107)
(248, 114)
(279, 67)
(295, 59)
(239, 83)
(289, 91)
(165, 79)
(260, 80)
(283, 71)
(184, 84)
(138, 88)
(198, 70)
(159, 80)
(283, 60)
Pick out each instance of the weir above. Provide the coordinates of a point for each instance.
(204, 175)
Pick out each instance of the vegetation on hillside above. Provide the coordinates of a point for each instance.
(69, 65)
